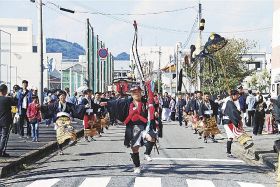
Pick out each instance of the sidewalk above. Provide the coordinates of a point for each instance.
(23, 151)
(262, 150)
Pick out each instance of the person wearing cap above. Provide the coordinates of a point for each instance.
(133, 113)
(35, 91)
(231, 116)
(24, 99)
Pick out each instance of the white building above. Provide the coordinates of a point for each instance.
(275, 57)
(257, 61)
(24, 63)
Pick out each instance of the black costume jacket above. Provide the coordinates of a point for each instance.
(120, 110)
(202, 108)
(76, 111)
(231, 114)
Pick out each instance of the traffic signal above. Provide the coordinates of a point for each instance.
(201, 24)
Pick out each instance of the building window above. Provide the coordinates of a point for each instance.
(254, 66)
(34, 49)
(22, 28)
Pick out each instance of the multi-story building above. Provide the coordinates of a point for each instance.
(257, 62)
(275, 58)
(24, 59)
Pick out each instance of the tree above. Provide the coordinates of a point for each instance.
(261, 81)
(225, 69)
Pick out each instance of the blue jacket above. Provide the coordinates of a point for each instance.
(20, 99)
(242, 102)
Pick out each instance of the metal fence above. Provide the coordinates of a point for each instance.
(5, 59)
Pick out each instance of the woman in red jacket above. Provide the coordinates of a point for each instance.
(34, 116)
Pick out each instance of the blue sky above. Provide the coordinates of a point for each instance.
(248, 19)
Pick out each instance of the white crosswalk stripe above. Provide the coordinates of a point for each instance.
(199, 183)
(246, 184)
(96, 182)
(139, 182)
(44, 183)
(147, 182)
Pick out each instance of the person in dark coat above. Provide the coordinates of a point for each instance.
(6, 119)
(260, 107)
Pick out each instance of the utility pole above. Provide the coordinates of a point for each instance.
(41, 51)
(199, 45)
(178, 64)
(159, 70)
(171, 74)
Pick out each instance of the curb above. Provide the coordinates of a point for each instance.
(267, 158)
(19, 164)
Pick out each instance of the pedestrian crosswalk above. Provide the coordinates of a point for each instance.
(138, 182)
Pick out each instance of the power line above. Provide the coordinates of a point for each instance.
(136, 14)
(157, 27)
(244, 31)
(59, 12)
(191, 32)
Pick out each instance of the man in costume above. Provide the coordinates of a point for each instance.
(91, 109)
(231, 118)
(207, 112)
(133, 113)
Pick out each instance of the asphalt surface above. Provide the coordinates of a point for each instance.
(184, 160)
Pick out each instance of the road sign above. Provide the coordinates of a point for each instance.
(103, 53)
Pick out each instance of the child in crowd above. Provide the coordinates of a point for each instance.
(34, 116)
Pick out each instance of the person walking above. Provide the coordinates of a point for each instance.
(165, 107)
(172, 107)
(34, 117)
(6, 119)
(268, 117)
(179, 108)
(250, 101)
(24, 99)
(260, 107)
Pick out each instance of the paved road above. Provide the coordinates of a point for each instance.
(183, 161)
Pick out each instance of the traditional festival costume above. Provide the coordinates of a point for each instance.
(139, 122)
(90, 128)
(63, 113)
(232, 124)
(207, 111)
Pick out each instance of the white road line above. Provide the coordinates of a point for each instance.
(245, 184)
(147, 182)
(96, 182)
(199, 183)
(43, 183)
(200, 159)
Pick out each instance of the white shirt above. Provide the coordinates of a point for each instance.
(24, 101)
